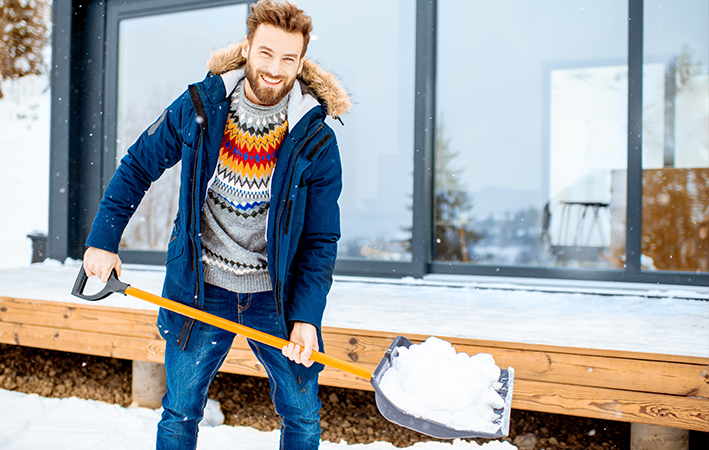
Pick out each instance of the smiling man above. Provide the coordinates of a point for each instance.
(255, 237)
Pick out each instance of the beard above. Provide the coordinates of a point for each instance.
(267, 95)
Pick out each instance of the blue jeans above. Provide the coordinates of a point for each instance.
(191, 371)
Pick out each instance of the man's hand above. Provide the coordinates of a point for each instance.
(303, 335)
(101, 263)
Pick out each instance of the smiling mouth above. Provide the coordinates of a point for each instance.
(271, 81)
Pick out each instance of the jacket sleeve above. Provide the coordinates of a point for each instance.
(157, 149)
(314, 262)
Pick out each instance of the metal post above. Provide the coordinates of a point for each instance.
(633, 239)
(424, 135)
(60, 133)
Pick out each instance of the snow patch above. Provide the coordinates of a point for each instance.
(33, 422)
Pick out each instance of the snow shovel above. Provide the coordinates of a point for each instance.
(390, 411)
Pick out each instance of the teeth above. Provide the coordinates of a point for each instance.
(270, 80)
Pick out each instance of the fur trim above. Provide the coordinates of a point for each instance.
(324, 85)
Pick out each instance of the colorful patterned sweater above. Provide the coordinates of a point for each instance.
(235, 214)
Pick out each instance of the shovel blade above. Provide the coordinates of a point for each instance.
(429, 427)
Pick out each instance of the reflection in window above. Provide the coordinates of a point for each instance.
(158, 57)
(376, 143)
(531, 122)
(675, 224)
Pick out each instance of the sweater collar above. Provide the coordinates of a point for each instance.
(299, 102)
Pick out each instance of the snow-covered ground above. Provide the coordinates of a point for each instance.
(31, 422)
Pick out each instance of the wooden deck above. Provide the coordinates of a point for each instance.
(657, 389)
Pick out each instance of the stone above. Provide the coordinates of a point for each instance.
(526, 441)
(654, 437)
(149, 384)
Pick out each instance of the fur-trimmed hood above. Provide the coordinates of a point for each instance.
(323, 85)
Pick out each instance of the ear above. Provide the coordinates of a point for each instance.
(245, 46)
(300, 66)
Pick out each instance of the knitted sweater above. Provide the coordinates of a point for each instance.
(235, 214)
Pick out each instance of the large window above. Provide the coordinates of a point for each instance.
(531, 123)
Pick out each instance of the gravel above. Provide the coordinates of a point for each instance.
(348, 415)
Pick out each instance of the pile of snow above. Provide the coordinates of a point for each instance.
(433, 382)
(213, 416)
(31, 422)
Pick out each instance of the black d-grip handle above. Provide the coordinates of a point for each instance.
(113, 285)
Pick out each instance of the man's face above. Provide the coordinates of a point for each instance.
(272, 64)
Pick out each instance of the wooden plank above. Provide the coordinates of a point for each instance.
(604, 372)
(537, 347)
(613, 404)
(616, 370)
(689, 413)
(69, 316)
(366, 351)
(32, 314)
(116, 346)
(97, 317)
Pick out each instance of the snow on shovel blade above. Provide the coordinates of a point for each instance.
(429, 427)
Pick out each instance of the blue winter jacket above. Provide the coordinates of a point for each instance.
(304, 219)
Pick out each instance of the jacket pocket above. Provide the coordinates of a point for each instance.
(174, 249)
(174, 245)
(295, 209)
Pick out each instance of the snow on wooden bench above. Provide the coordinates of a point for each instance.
(614, 376)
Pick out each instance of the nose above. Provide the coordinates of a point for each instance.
(274, 67)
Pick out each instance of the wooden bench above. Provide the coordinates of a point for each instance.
(654, 389)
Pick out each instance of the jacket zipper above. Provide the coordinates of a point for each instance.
(289, 205)
(202, 120)
(195, 265)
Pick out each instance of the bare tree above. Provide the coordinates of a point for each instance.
(23, 35)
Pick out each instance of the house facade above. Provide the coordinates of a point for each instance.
(546, 140)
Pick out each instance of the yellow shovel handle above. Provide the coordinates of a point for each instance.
(250, 333)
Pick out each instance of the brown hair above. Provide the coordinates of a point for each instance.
(280, 14)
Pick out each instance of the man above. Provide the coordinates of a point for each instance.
(255, 237)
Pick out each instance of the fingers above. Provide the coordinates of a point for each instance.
(88, 271)
(305, 356)
(102, 272)
(105, 273)
(304, 336)
(101, 263)
(294, 353)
